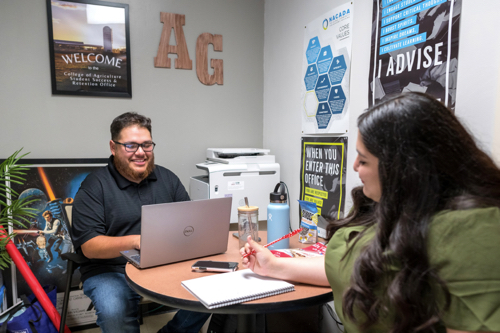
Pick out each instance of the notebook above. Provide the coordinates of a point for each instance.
(224, 289)
(184, 230)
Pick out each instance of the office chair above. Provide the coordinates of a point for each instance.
(74, 261)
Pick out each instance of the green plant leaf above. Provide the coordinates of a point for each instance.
(18, 212)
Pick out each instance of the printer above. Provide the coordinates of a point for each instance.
(237, 173)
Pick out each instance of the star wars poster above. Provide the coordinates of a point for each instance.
(322, 176)
(54, 184)
(414, 48)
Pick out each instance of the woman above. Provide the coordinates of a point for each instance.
(420, 250)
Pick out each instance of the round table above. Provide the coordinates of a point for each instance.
(162, 284)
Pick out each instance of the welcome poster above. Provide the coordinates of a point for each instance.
(89, 48)
(414, 48)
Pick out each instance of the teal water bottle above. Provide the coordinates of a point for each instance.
(278, 218)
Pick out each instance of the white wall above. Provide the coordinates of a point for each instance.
(478, 83)
(478, 72)
(188, 117)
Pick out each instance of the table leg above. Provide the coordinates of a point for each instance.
(246, 323)
(251, 323)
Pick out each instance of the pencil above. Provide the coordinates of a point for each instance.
(296, 231)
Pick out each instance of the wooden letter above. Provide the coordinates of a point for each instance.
(202, 59)
(173, 21)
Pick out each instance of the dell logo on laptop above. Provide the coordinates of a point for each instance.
(188, 231)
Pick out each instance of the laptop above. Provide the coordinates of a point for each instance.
(177, 231)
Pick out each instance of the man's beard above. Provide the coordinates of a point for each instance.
(126, 171)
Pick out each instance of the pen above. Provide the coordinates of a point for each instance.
(296, 231)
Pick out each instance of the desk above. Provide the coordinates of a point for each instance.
(162, 284)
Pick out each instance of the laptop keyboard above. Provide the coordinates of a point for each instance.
(136, 257)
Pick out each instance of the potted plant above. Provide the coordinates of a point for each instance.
(14, 211)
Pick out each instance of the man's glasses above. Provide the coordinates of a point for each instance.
(133, 147)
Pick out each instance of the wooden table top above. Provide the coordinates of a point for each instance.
(162, 284)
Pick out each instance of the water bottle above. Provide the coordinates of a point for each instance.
(278, 217)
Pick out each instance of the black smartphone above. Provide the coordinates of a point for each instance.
(214, 266)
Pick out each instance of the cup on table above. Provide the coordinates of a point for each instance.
(248, 224)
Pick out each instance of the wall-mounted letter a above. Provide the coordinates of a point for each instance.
(173, 21)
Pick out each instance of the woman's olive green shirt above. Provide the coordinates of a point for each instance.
(464, 246)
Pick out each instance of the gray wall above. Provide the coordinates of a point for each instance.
(188, 117)
(478, 78)
(250, 110)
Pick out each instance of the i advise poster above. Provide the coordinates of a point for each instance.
(414, 48)
(323, 175)
(326, 68)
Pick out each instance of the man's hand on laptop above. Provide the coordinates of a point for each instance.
(107, 247)
(137, 244)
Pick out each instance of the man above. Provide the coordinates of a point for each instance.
(106, 220)
(41, 242)
(53, 229)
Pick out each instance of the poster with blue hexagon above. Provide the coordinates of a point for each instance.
(54, 183)
(414, 48)
(326, 68)
(323, 170)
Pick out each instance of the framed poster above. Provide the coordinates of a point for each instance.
(54, 182)
(323, 170)
(326, 71)
(89, 48)
(414, 47)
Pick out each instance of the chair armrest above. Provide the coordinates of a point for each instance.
(75, 257)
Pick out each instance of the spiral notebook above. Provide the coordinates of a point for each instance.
(224, 289)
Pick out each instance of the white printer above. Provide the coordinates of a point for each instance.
(238, 173)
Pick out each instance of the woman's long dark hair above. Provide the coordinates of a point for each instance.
(428, 162)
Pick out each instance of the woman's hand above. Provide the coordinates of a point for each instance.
(261, 262)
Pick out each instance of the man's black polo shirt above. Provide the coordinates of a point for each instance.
(110, 205)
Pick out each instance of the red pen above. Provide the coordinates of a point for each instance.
(296, 231)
